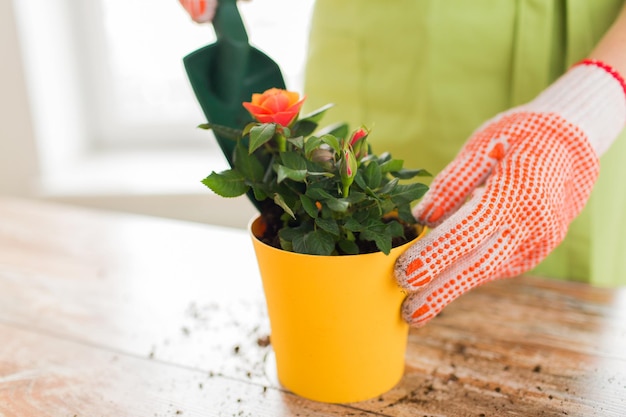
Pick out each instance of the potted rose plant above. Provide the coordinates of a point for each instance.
(333, 218)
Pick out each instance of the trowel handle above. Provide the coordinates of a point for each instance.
(233, 51)
(228, 24)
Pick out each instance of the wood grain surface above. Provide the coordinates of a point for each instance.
(107, 314)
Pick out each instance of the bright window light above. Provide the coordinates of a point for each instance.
(112, 108)
(138, 76)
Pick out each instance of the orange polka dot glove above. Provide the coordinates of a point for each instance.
(201, 11)
(507, 199)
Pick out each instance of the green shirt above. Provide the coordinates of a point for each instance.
(424, 74)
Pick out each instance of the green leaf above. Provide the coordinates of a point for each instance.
(222, 131)
(377, 232)
(353, 225)
(360, 181)
(383, 243)
(340, 205)
(395, 228)
(408, 192)
(348, 247)
(310, 144)
(331, 141)
(393, 165)
(384, 157)
(386, 206)
(329, 225)
(304, 127)
(248, 164)
(291, 198)
(388, 188)
(298, 142)
(287, 234)
(309, 206)
(316, 115)
(286, 244)
(259, 193)
(248, 127)
(356, 197)
(338, 130)
(293, 166)
(280, 201)
(317, 242)
(373, 174)
(317, 193)
(283, 172)
(314, 173)
(293, 160)
(405, 174)
(405, 213)
(373, 212)
(261, 134)
(229, 183)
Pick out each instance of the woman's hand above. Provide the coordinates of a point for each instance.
(507, 199)
(201, 11)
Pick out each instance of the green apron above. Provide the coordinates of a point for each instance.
(423, 74)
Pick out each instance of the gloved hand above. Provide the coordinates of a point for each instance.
(507, 199)
(201, 11)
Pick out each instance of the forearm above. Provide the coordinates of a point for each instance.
(591, 95)
(612, 47)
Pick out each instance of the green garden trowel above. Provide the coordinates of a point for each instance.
(227, 73)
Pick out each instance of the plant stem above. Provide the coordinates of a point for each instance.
(281, 141)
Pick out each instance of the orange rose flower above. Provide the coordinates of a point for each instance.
(275, 106)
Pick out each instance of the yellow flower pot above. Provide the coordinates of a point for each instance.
(336, 327)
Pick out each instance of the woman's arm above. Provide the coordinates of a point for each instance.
(612, 47)
(506, 201)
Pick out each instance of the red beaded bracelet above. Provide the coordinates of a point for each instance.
(607, 68)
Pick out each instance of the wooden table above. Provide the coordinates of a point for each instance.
(107, 314)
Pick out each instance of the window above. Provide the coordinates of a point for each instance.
(135, 66)
(107, 75)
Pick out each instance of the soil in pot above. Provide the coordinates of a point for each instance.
(273, 223)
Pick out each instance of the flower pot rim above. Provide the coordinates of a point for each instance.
(421, 232)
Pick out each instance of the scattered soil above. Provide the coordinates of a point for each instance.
(263, 341)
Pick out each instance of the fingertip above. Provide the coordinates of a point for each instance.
(399, 272)
(429, 213)
(410, 270)
(414, 265)
(417, 317)
(437, 214)
(422, 209)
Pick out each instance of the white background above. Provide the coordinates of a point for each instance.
(96, 108)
